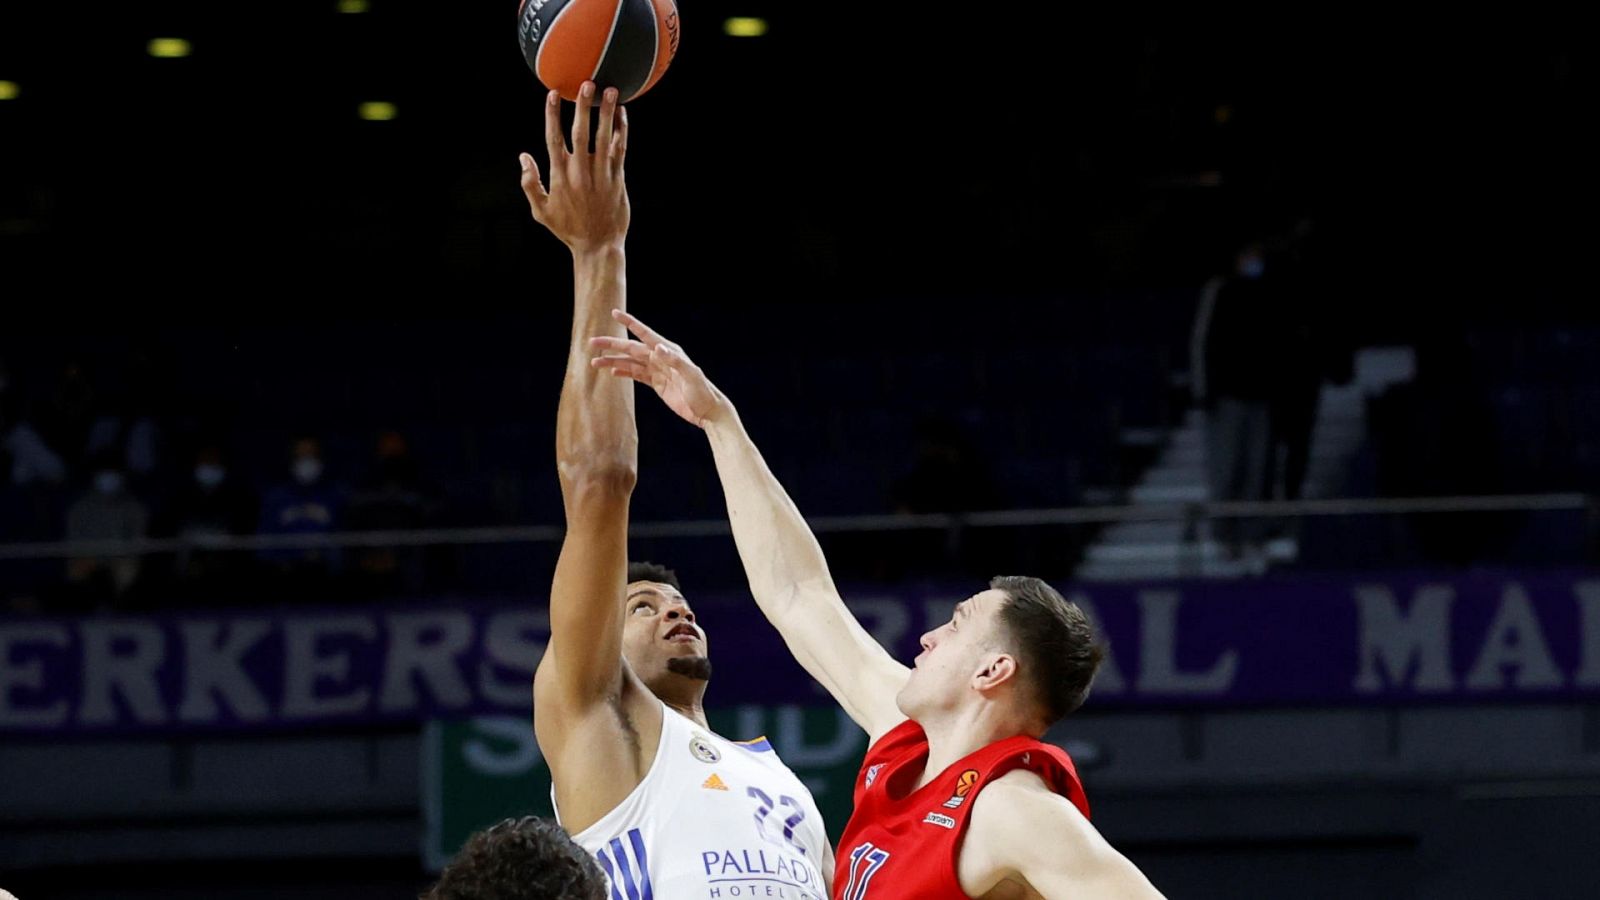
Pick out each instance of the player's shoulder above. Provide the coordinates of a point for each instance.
(761, 752)
(1016, 820)
(759, 746)
(1017, 784)
(1022, 830)
(1020, 802)
(758, 750)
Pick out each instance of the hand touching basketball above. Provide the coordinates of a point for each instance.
(655, 361)
(586, 203)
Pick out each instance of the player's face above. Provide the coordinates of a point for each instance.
(658, 625)
(953, 655)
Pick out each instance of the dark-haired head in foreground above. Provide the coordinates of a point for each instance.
(520, 859)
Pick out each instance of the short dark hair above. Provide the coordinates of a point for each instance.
(1055, 643)
(520, 859)
(649, 571)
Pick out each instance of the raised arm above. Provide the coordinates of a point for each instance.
(586, 206)
(787, 571)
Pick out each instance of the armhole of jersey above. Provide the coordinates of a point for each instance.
(1005, 765)
(633, 795)
(1070, 780)
(1066, 782)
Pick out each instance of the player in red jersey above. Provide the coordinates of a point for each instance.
(957, 797)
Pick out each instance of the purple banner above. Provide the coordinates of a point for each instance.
(1307, 641)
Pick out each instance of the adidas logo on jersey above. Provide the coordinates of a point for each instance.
(714, 783)
(941, 821)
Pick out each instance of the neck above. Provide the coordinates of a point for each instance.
(685, 696)
(692, 711)
(962, 733)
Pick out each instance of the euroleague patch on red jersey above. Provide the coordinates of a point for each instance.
(964, 785)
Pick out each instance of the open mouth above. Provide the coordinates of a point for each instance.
(683, 634)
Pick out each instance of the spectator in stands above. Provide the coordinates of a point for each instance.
(27, 459)
(1302, 359)
(32, 498)
(309, 503)
(127, 419)
(1313, 348)
(395, 497)
(212, 503)
(108, 511)
(1235, 349)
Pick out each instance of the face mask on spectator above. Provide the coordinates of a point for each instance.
(209, 475)
(108, 482)
(307, 470)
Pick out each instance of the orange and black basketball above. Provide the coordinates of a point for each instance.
(625, 44)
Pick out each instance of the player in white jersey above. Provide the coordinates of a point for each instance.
(670, 809)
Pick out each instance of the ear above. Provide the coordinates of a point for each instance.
(997, 669)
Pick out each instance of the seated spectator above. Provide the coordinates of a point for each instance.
(211, 503)
(306, 504)
(394, 497)
(27, 458)
(106, 512)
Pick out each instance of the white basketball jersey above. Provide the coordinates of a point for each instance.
(712, 820)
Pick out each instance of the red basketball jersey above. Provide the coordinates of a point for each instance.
(902, 844)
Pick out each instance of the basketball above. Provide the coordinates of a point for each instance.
(625, 44)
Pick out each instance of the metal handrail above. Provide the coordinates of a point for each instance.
(1080, 515)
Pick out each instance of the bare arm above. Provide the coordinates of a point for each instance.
(586, 206)
(788, 573)
(790, 580)
(1023, 832)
